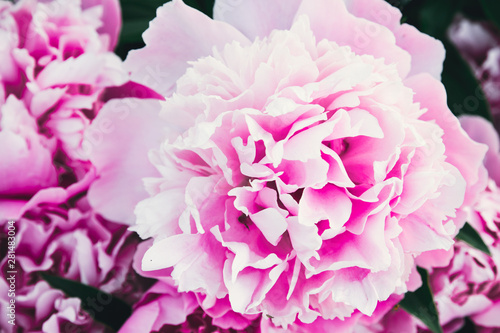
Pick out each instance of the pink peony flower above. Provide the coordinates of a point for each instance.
(474, 283)
(479, 43)
(298, 166)
(59, 235)
(56, 64)
(44, 309)
(467, 287)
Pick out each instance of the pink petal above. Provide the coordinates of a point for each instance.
(271, 223)
(329, 203)
(427, 53)
(488, 318)
(111, 18)
(168, 48)
(244, 15)
(460, 150)
(118, 142)
(99, 70)
(482, 131)
(142, 319)
(331, 20)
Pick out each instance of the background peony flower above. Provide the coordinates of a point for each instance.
(475, 291)
(468, 287)
(56, 63)
(160, 306)
(44, 309)
(59, 235)
(479, 43)
(298, 167)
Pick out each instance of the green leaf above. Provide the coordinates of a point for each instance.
(469, 235)
(204, 6)
(473, 11)
(465, 95)
(102, 306)
(139, 10)
(492, 10)
(420, 304)
(468, 327)
(136, 15)
(132, 30)
(432, 17)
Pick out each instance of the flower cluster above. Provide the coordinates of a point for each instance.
(55, 63)
(282, 167)
(295, 171)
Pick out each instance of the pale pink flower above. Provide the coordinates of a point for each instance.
(298, 166)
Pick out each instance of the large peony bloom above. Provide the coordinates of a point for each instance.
(56, 64)
(57, 234)
(299, 166)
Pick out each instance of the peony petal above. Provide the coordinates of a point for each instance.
(169, 48)
(244, 15)
(480, 130)
(427, 53)
(329, 203)
(271, 223)
(331, 20)
(118, 142)
(460, 150)
(111, 18)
